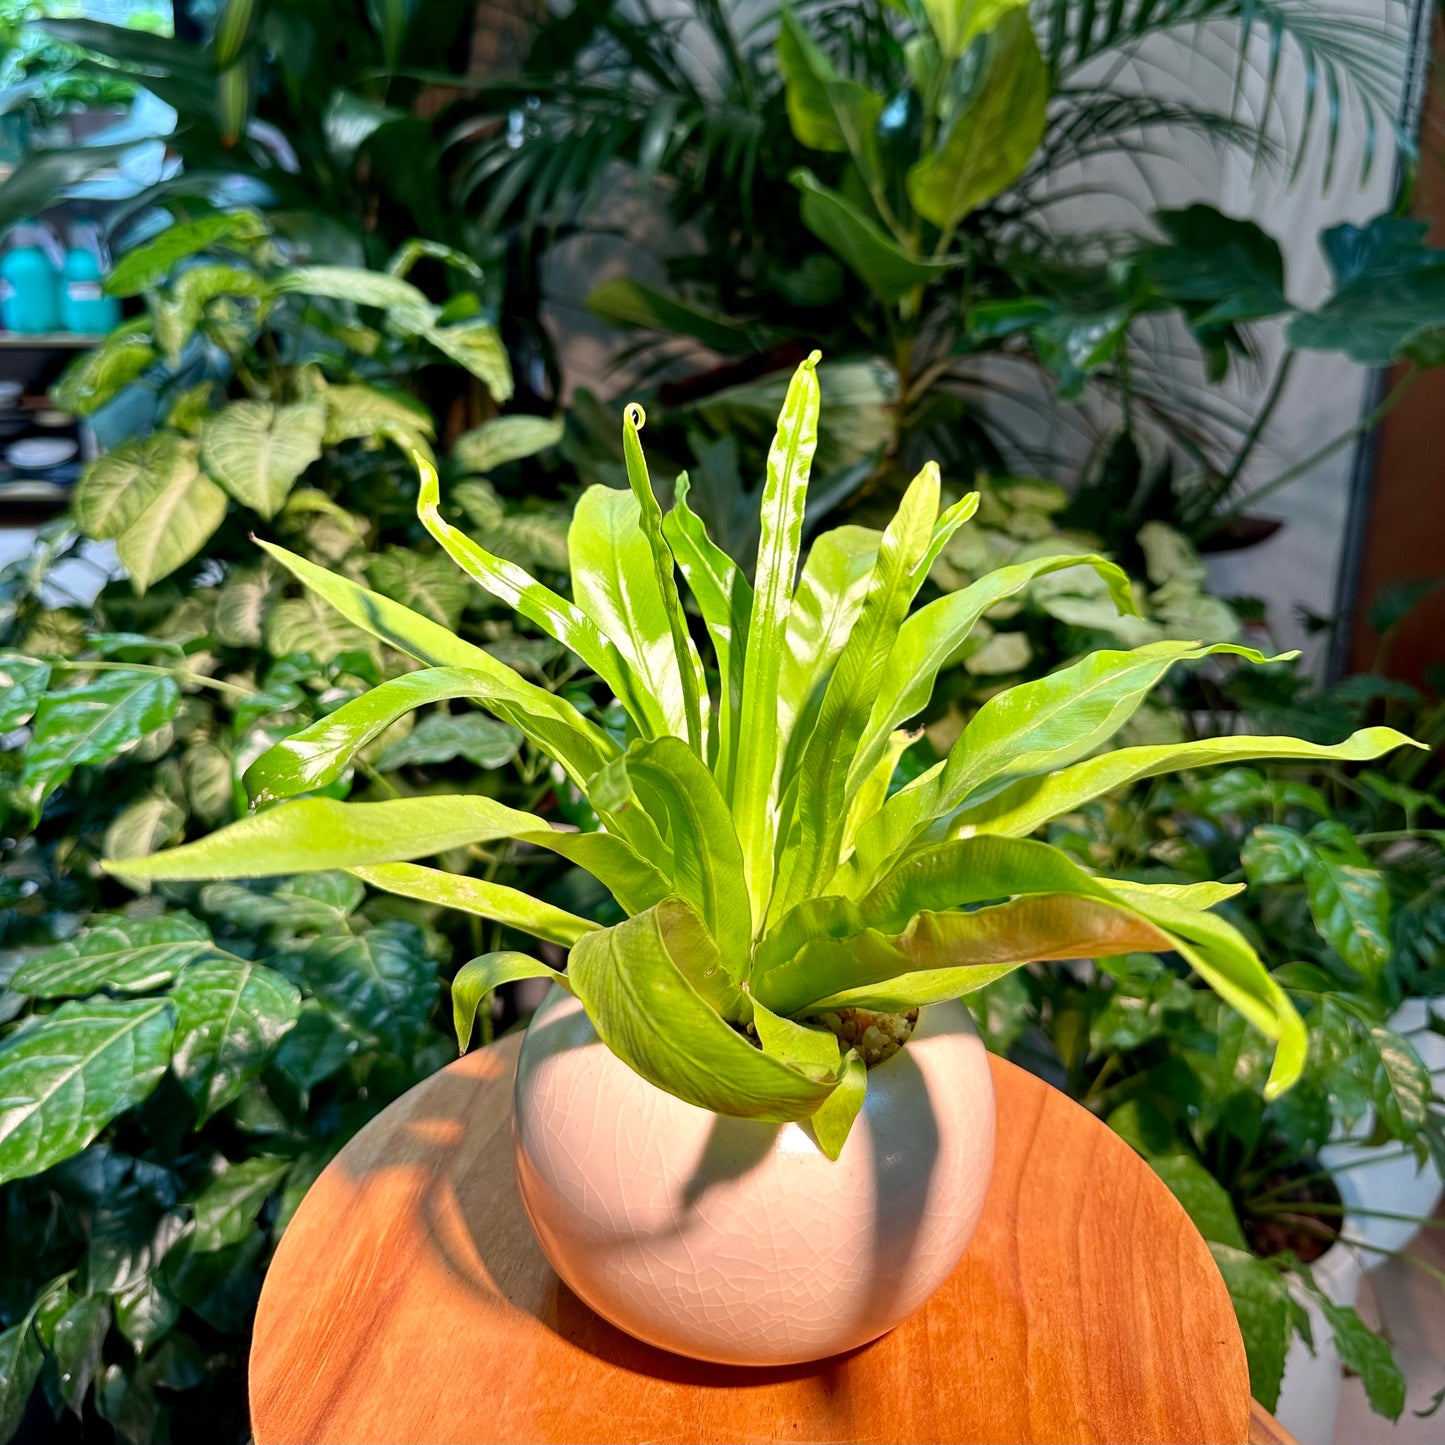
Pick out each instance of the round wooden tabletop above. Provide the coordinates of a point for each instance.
(408, 1302)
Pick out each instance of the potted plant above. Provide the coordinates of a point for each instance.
(726, 1177)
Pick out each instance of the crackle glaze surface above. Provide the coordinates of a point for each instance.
(740, 1242)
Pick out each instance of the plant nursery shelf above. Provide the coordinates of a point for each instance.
(408, 1302)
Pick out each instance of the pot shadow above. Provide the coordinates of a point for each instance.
(453, 1137)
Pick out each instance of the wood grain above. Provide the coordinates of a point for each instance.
(408, 1302)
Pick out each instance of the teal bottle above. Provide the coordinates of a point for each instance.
(85, 309)
(29, 283)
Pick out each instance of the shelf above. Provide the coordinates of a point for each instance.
(47, 341)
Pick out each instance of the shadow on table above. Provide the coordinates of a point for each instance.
(453, 1137)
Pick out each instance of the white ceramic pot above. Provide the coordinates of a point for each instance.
(1309, 1393)
(1389, 1180)
(740, 1242)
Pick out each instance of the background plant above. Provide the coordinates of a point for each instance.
(133, 1266)
(1344, 905)
(881, 180)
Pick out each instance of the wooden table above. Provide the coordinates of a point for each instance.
(408, 1302)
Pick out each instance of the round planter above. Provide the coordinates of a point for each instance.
(737, 1241)
(1309, 1394)
(1388, 1180)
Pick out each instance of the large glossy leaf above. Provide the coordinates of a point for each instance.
(130, 955)
(477, 979)
(476, 895)
(1389, 289)
(319, 754)
(564, 620)
(1262, 1302)
(256, 450)
(821, 808)
(826, 111)
(380, 983)
(21, 1360)
(991, 140)
(625, 302)
(784, 497)
(616, 584)
(957, 23)
(637, 983)
(319, 833)
(946, 955)
(225, 1211)
(933, 634)
(91, 724)
(1220, 270)
(725, 600)
(230, 1016)
(23, 681)
(707, 861)
(1032, 728)
(887, 270)
(687, 663)
(1030, 803)
(66, 1076)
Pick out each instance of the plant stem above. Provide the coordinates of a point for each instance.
(1290, 474)
(1256, 430)
(179, 673)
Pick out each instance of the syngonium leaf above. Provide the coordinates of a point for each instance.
(256, 451)
(65, 1076)
(152, 498)
(506, 439)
